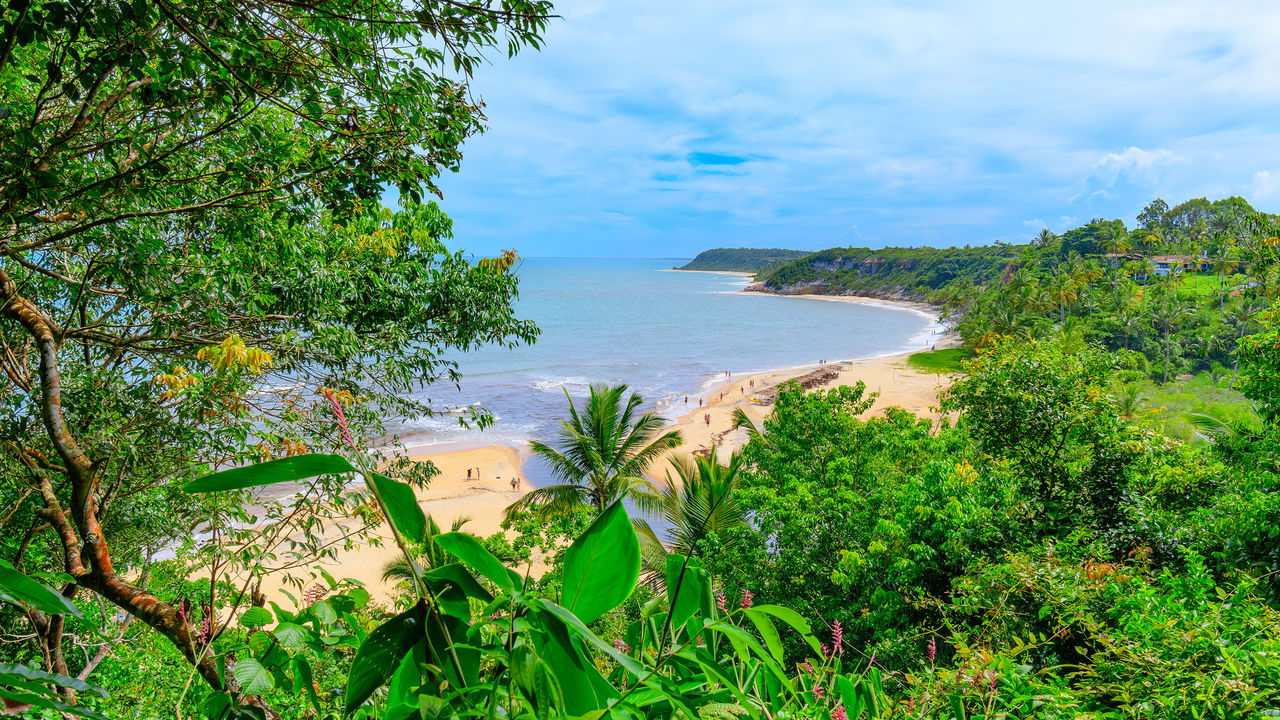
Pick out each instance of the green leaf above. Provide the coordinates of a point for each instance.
(795, 620)
(401, 505)
(469, 550)
(50, 703)
(256, 617)
(16, 587)
(767, 631)
(253, 676)
(601, 567)
(290, 635)
(380, 653)
(8, 672)
(685, 594)
(290, 469)
(654, 681)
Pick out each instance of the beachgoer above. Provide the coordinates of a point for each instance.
(753, 383)
(699, 402)
(686, 399)
(707, 417)
(513, 484)
(468, 473)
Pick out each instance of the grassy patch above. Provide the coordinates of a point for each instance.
(1165, 407)
(939, 361)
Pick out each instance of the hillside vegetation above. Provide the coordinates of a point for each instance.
(751, 260)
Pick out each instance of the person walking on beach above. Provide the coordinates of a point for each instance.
(699, 402)
(514, 482)
(707, 417)
(468, 473)
(686, 399)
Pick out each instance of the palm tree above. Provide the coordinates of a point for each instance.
(1168, 314)
(698, 501)
(602, 454)
(1223, 268)
(426, 555)
(1063, 289)
(1129, 400)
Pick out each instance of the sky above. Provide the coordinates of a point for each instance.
(663, 128)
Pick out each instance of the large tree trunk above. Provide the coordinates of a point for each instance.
(86, 552)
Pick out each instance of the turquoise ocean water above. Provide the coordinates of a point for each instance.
(665, 334)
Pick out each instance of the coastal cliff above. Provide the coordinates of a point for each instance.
(910, 274)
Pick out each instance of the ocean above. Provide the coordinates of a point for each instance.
(664, 334)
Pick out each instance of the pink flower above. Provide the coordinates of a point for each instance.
(720, 603)
(931, 650)
(342, 417)
(747, 597)
(818, 692)
(621, 646)
(805, 666)
(837, 638)
(826, 651)
(839, 713)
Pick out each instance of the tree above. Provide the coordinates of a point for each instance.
(1039, 406)
(602, 454)
(1152, 216)
(697, 502)
(191, 242)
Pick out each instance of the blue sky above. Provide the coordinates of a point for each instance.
(658, 128)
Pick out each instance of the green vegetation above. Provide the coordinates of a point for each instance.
(750, 260)
(906, 273)
(945, 361)
(196, 274)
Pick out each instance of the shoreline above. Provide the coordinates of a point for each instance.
(897, 385)
(711, 272)
(455, 493)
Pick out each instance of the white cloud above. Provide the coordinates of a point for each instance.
(948, 122)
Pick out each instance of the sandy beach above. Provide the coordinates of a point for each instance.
(897, 383)
(453, 494)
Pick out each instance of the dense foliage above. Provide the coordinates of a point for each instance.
(915, 273)
(192, 246)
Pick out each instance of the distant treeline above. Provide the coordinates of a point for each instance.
(751, 260)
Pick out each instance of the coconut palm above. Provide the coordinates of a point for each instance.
(1129, 400)
(601, 455)
(1064, 290)
(697, 501)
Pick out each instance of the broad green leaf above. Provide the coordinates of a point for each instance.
(303, 680)
(849, 696)
(18, 587)
(654, 681)
(601, 567)
(380, 654)
(767, 631)
(254, 679)
(256, 617)
(469, 550)
(290, 635)
(401, 505)
(687, 585)
(9, 672)
(795, 620)
(457, 574)
(50, 703)
(290, 469)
